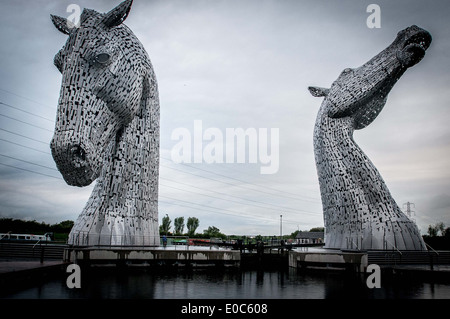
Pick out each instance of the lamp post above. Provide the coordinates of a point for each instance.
(281, 227)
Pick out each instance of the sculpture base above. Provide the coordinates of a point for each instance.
(331, 259)
(357, 261)
(152, 256)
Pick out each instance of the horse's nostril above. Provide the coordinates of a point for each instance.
(78, 152)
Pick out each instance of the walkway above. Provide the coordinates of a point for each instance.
(11, 266)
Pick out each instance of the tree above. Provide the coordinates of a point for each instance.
(438, 236)
(294, 234)
(192, 225)
(441, 227)
(213, 231)
(447, 232)
(63, 227)
(317, 229)
(179, 225)
(165, 227)
(434, 230)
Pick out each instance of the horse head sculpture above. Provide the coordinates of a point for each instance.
(107, 128)
(359, 211)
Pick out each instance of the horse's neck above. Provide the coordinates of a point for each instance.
(344, 170)
(129, 178)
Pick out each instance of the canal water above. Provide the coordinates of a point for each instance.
(105, 283)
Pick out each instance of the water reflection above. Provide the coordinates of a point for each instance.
(213, 284)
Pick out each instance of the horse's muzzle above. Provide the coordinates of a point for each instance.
(73, 159)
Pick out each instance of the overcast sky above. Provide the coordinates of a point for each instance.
(236, 64)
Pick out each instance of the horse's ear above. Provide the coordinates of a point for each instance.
(61, 24)
(317, 91)
(117, 15)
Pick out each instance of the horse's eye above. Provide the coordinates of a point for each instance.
(102, 58)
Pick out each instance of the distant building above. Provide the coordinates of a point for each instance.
(308, 237)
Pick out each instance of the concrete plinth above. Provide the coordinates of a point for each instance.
(152, 256)
(329, 259)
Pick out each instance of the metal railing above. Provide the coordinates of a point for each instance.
(432, 249)
(39, 241)
(4, 235)
(140, 242)
(175, 242)
(393, 246)
(353, 243)
(42, 249)
(86, 239)
(431, 258)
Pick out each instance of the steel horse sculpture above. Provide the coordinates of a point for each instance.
(107, 128)
(359, 211)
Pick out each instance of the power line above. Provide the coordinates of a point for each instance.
(28, 112)
(224, 182)
(281, 207)
(30, 138)
(37, 126)
(184, 190)
(246, 199)
(229, 200)
(25, 98)
(311, 199)
(28, 170)
(201, 205)
(239, 214)
(245, 205)
(21, 160)
(236, 214)
(209, 211)
(25, 146)
(233, 212)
